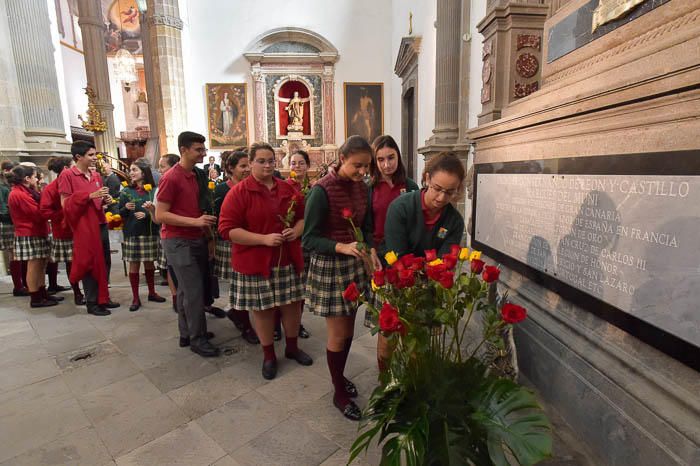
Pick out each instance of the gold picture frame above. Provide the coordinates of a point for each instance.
(228, 129)
(363, 108)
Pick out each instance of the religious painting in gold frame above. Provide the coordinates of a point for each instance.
(227, 115)
(364, 109)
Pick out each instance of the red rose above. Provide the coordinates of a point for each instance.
(418, 263)
(434, 272)
(491, 273)
(392, 276)
(398, 265)
(406, 260)
(406, 278)
(351, 293)
(477, 265)
(455, 249)
(378, 278)
(450, 260)
(430, 255)
(346, 213)
(389, 318)
(447, 279)
(512, 313)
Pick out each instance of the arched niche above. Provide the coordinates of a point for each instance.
(283, 55)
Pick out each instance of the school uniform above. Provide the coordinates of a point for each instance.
(61, 232)
(7, 230)
(31, 230)
(222, 256)
(141, 237)
(324, 226)
(381, 195)
(258, 282)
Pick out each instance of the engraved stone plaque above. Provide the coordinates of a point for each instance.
(631, 241)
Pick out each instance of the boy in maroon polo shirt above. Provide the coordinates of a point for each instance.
(80, 178)
(184, 239)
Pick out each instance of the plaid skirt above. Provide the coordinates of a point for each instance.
(375, 301)
(257, 293)
(7, 236)
(162, 261)
(328, 277)
(61, 250)
(222, 260)
(141, 248)
(32, 247)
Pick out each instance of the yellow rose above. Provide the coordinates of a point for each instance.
(391, 257)
(437, 261)
(374, 286)
(117, 217)
(99, 156)
(109, 215)
(475, 255)
(114, 201)
(212, 185)
(293, 174)
(147, 187)
(125, 184)
(464, 254)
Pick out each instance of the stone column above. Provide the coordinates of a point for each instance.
(259, 105)
(447, 58)
(329, 147)
(164, 35)
(12, 129)
(32, 49)
(92, 27)
(154, 98)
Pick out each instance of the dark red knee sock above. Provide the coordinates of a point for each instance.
(24, 274)
(269, 353)
(134, 280)
(150, 280)
(291, 345)
(16, 273)
(278, 320)
(346, 352)
(335, 367)
(52, 272)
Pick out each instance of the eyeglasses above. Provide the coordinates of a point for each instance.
(446, 192)
(265, 161)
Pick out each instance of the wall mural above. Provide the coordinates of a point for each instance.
(364, 109)
(227, 115)
(123, 27)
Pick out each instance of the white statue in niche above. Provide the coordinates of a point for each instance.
(226, 107)
(295, 109)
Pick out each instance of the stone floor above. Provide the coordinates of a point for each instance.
(140, 399)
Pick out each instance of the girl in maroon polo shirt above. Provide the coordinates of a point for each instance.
(31, 232)
(336, 259)
(266, 258)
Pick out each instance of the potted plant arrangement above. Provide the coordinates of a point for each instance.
(438, 403)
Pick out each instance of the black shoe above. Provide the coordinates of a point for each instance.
(156, 298)
(250, 336)
(206, 350)
(231, 314)
(185, 341)
(350, 389)
(55, 298)
(269, 369)
(111, 304)
(79, 300)
(20, 292)
(58, 289)
(215, 311)
(300, 357)
(349, 410)
(303, 333)
(98, 310)
(43, 303)
(277, 335)
(135, 306)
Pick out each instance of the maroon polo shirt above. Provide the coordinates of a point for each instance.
(382, 196)
(429, 221)
(74, 181)
(179, 188)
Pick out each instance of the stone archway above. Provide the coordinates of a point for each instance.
(406, 68)
(283, 54)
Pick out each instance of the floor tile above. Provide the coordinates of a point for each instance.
(118, 397)
(139, 424)
(80, 448)
(37, 396)
(179, 372)
(103, 372)
(297, 388)
(73, 341)
(241, 420)
(47, 327)
(15, 376)
(290, 442)
(24, 431)
(187, 445)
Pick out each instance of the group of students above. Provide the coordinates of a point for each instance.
(284, 246)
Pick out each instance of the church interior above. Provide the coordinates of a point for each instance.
(577, 123)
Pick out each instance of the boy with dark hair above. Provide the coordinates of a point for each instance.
(179, 209)
(82, 199)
